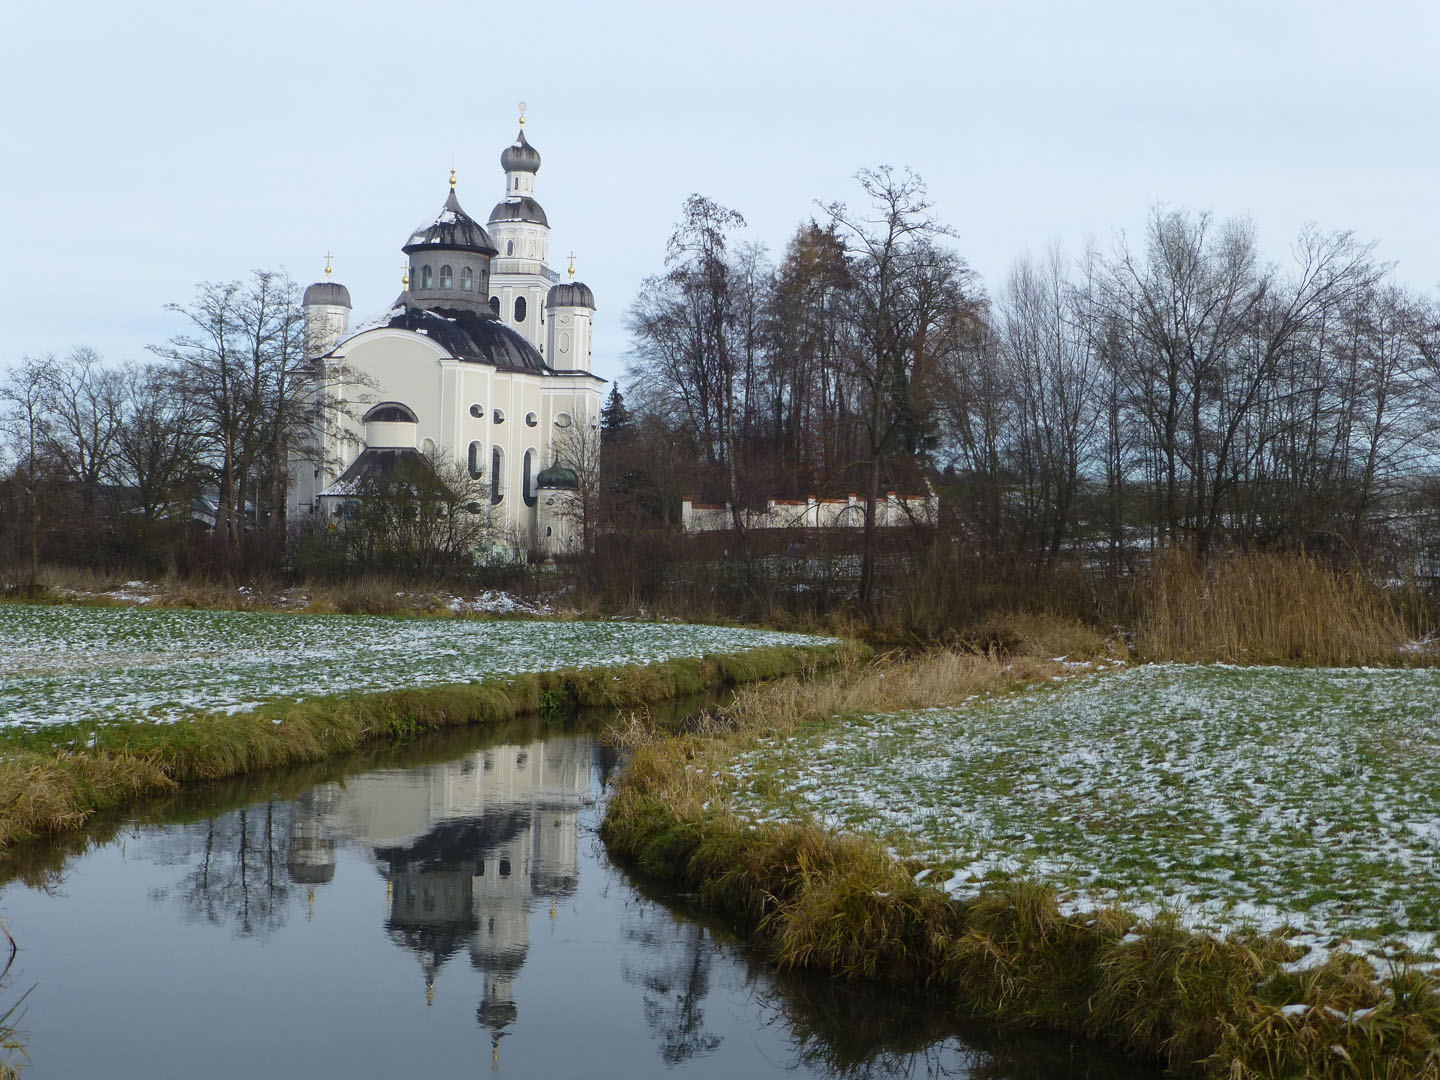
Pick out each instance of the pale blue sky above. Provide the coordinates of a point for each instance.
(152, 145)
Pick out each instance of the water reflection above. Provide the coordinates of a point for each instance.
(364, 895)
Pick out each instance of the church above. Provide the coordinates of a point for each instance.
(483, 359)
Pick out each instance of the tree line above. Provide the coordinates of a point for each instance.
(1181, 391)
(180, 457)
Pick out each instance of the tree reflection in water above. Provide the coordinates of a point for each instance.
(675, 980)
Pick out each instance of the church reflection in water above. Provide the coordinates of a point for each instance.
(466, 849)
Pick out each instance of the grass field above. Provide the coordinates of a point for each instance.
(1298, 801)
(98, 665)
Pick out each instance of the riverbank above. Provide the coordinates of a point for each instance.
(56, 778)
(1244, 1005)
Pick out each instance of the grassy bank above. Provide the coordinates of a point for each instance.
(57, 778)
(1236, 1007)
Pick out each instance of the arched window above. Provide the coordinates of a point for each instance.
(495, 304)
(465, 278)
(497, 461)
(474, 461)
(530, 477)
(509, 247)
(447, 280)
(425, 277)
(520, 309)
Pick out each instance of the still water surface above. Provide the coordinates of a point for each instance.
(445, 910)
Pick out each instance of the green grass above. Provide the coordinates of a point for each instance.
(56, 778)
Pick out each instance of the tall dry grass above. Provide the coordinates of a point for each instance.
(1263, 608)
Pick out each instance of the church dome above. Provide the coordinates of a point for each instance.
(570, 294)
(558, 476)
(327, 292)
(453, 230)
(522, 157)
(522, 209)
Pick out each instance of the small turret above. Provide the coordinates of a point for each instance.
(569, 317)
(326, 305)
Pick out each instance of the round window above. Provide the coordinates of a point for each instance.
(530, 419)
(477, 411)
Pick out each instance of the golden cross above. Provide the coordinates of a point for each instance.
(405, 276)
(572, 266)
(522, 114)
(328, 257)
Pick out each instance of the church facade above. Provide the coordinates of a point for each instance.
(483, 361)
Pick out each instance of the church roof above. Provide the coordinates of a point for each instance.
(523, 208)
(521, 157)
(570, 294)
(476, 336)
(376, 467)
(453, 230)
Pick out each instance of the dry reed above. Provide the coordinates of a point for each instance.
(1264, 608)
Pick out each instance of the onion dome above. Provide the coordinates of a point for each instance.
(453, 230)
(558, 476)
(522, 209)
(570, 294)
(327, 292)
(521, 157)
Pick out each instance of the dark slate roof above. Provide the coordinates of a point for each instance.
(570, 294)
(453, 230)
(557, 476)
(374, 467)
(522, 209)
(522, 157)
(477, 336)
(327, 292)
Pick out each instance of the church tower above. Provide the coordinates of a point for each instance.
(521, 278)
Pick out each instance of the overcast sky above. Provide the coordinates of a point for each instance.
(148, 145)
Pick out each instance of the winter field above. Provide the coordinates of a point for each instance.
(1299, 801)
(95, 665)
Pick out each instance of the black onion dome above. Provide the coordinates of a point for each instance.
(326, 292)
(522, 157)
(453, 230)
(478, 337)
(570, 294)
(522, 209)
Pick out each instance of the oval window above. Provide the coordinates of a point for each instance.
(499, 417)
(563, 419)
(520, 309)
(477, 411)
(531, 419)
(495, 304)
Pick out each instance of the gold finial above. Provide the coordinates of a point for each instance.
(452, 179)
(572, 266)
(328, 257)
(522, 114)
(405, 276)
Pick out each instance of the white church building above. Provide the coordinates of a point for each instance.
(483, 359)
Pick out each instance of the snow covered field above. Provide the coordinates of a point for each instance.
(1299, 800)
(97, 664)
